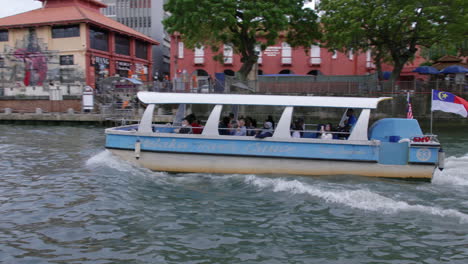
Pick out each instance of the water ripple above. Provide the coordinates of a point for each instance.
(70, 201)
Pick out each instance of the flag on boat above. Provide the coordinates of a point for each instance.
(409, 110)
(448, 102)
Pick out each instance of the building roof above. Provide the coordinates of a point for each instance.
(271, 100)
(68, 15)
(449, 58)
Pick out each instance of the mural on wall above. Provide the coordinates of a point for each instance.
(31, 63)
(34, 61)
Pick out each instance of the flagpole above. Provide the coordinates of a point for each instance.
(432, 94)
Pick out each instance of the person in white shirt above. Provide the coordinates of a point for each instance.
(323, 130)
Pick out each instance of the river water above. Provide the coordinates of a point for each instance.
(65, 199)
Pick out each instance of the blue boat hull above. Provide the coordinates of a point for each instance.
(246, 155)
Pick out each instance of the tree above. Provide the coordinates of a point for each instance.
(245, 25)
(392, 29)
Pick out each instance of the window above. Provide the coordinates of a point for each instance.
(335, 54)
(369, 63)
(3, 35)
(258, 51)
(315, 55)
(181, 50)
(66, 59)
(199, 55)
(66, 31)
(227, 54)
(350, 54)
(122, 44)
(99, 39)
(141, 49)
(286, 53)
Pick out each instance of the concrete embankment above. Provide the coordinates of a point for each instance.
(390, 108)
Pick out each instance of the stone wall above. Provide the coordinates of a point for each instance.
(29, 105)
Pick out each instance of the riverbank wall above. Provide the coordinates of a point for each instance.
(65, 112)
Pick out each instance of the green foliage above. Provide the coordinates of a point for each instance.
(240, 24)
(437, 51)
(392, 29)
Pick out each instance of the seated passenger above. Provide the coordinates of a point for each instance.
(223, 127)
(196, 127)
(267, 131)
(249, 124)
(241, 130)
(186, 127)
(349, 122)
(297, 129)
(270, 119)
(324, 130)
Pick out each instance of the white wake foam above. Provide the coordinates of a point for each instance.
(455, 172)
(360, 199)
(106, 159)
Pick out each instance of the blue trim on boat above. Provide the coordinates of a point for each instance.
(246, 147)
(248, 156)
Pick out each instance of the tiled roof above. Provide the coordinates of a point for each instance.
(449, 58)
(67, 15)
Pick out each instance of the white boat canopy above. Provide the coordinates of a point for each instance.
(271, 100)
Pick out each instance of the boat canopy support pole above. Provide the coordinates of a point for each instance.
(284, 125)
(212, 125)
(359, 131)
(147, 120)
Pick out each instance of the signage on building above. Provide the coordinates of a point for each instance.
(95, 60)
(272, 51)
(123, 65)
(66, 60)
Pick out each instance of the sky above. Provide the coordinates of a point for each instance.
(17, 6)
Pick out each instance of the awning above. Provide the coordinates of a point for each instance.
(134, 81)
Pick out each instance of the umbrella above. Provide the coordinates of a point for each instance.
(454, 69)
(426, 70)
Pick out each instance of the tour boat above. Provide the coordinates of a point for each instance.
(390, 147)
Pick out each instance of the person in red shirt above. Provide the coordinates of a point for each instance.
(196, 127)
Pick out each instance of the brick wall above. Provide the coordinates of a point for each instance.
(29, 106)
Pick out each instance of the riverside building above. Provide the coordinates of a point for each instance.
(66, 45)
(198, 64)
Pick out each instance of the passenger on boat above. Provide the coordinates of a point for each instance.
(196, 127)
(249, 125)
(348, 123)
(232, 120)
(241, 130)
(186, 127)
(297, 129)
(351, 118)
(326, 128)
(270, 119)
(223, 127)
(267, 131)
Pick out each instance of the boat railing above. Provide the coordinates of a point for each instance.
(311, 133)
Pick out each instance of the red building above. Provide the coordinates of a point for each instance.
(277, 59)
(71, 38)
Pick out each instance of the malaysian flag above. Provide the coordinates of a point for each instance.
(409, 112)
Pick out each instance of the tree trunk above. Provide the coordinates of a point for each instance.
(247, 66)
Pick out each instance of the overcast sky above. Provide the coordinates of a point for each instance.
(17, 6)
